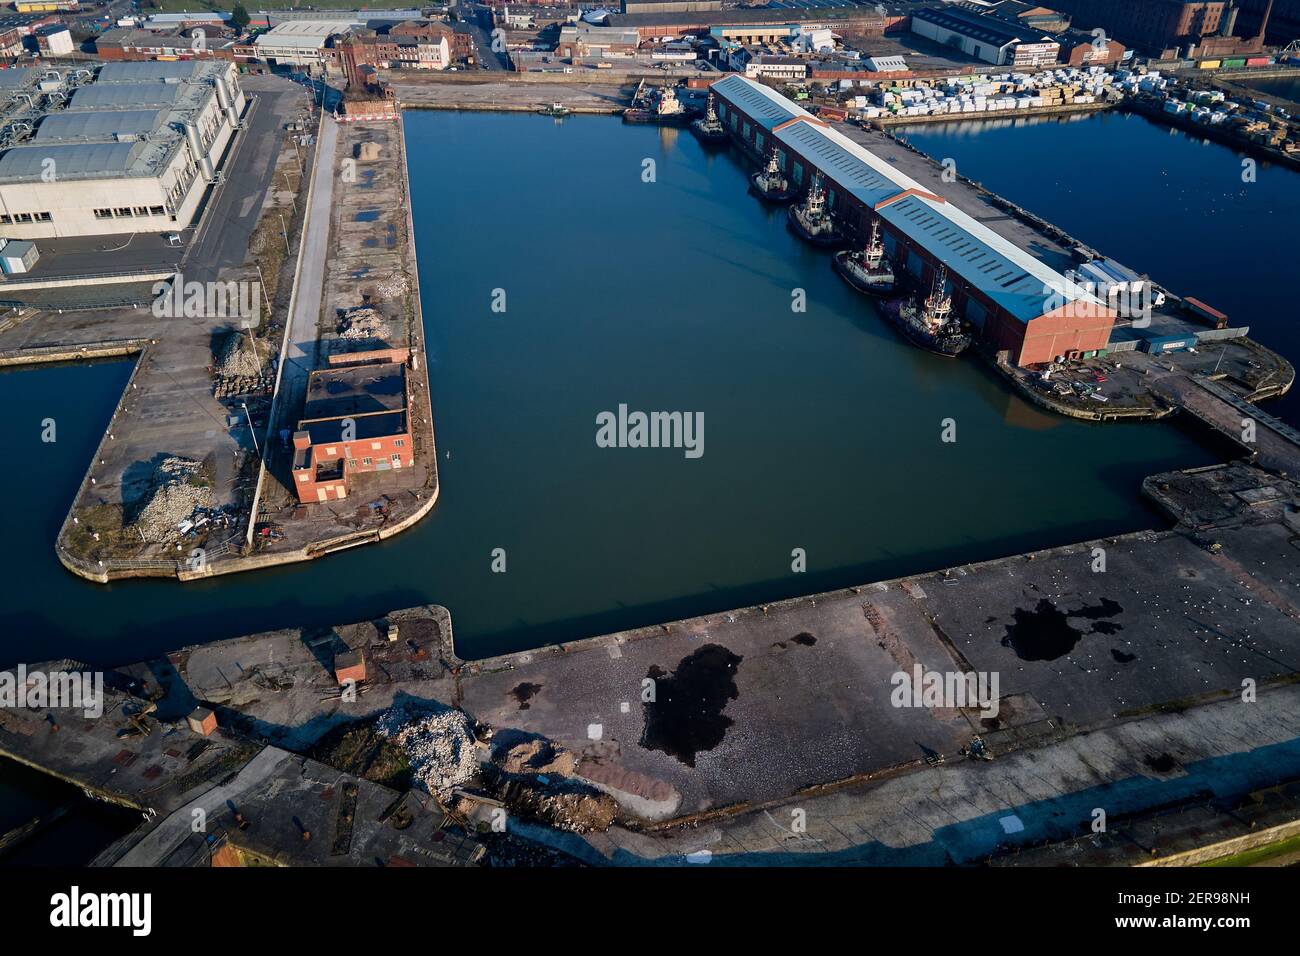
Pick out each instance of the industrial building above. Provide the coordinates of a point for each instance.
(129, 150)
(355, 420)
(1152, 24)
(1018, 304)
(988, 38)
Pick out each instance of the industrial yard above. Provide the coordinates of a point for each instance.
(1095, 666)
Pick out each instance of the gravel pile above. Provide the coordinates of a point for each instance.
(363, 323)
(240, 369)
(440, 747)
(392, 286)
(174, 500)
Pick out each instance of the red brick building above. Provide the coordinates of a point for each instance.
(1018, 304)
(1150, 24)
(356, 420)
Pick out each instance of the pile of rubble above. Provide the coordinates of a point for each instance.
(578, 810)
(175, 499)
(240, 367)
(440, 747)
(363, 323)
(392, 286)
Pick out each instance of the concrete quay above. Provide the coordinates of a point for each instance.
(1121, 665)
(357, 247)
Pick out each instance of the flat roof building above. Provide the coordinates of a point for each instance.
(986, 37)
(1018, 303)
(355, 420)
(132, 151)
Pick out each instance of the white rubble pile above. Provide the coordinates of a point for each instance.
(174, 500)
(392, 286)
(363, 323)
(440, 747)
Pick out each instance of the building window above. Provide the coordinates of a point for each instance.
(103, 214)
(43, 217)
(122, 212)
(142, 210)
(367, 461)
(156, 210)
(23, 217)
(399, 442)
(4, 220)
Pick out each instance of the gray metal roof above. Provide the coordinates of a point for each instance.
(149, 71)
(127, 95)
(88, 125)
(1005, 273)
(869, 178)
(763, 104)
(17, 78)
(80, 160)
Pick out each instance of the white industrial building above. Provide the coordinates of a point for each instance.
(132, 151)
(299, 42)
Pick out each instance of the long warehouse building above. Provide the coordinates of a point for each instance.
(1017, 303)
(132, 151)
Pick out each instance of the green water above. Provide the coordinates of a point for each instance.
(822, 428)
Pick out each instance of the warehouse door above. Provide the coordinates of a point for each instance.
(975, 313)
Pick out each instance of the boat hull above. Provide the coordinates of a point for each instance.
(831, 239)
(947, 346)
(769, 195)
(879, 286)
(651, 118)
(708, 136)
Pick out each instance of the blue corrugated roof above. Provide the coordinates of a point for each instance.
(764, 105)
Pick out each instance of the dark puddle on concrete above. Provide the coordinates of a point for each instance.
(367, 215)
(685, 718)
(525, 692)
(1045, 633)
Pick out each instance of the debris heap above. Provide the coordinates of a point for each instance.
(439, 747)
(240, 367)
(363, 323)
(175, 498)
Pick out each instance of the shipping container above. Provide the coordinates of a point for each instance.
(1259, 61)
(1234, 62)
(1209, 65)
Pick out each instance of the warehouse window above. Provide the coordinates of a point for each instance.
(43, 217)
(122, 212)
(156, 210)
(23, 217)
(4, 220)
(103, 214)
(142, 210)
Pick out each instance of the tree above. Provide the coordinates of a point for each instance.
(239, 18)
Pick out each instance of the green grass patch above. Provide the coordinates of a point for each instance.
(1260, 854)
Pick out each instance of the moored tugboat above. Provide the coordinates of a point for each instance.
(810, 220)
(557, 110)
(768, 184)
(666, 110)
(932, 326)
(867, 269)
(708, 129)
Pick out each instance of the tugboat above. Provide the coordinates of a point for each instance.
(667, 110)
(558, 110)
(709, 129)
(768, 183)
(932, 326)
(867, 269)
(810, 221)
